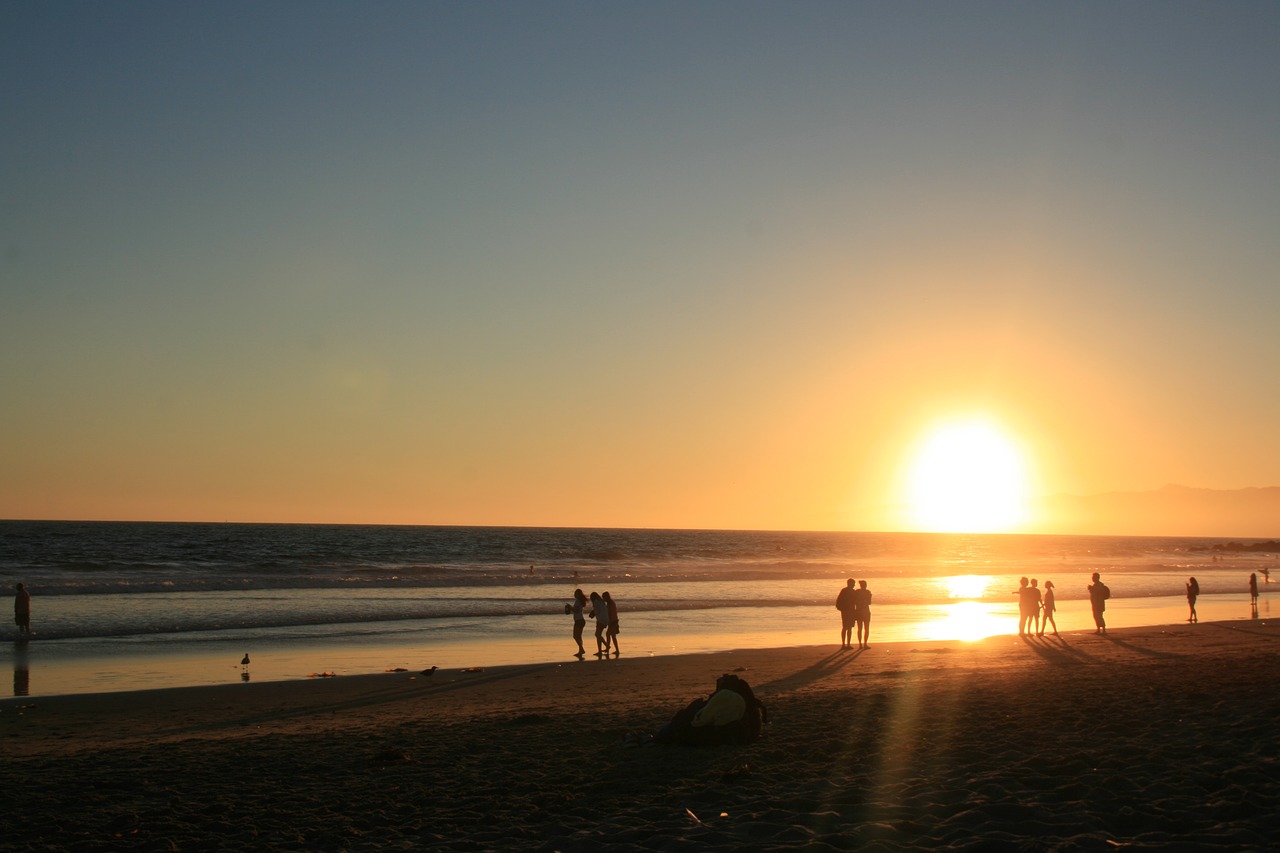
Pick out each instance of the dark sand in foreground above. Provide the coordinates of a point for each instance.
(1153, 738)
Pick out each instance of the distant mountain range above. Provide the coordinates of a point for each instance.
(1168, 511)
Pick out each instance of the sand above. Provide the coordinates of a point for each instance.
(1150, 738)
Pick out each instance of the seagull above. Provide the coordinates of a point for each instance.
(244, 661)
(428, 672)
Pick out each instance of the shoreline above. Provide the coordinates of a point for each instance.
(43, 668)
(1145, 737)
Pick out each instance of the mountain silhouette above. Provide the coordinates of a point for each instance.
(1168, 511)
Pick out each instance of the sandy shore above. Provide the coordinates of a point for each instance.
(1150, 738)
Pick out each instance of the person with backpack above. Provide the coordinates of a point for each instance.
(1098, 595)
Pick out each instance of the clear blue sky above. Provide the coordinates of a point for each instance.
(652, 264)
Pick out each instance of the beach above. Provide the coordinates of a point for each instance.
(1147, 738)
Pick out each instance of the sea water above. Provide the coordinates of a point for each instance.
(121, 606)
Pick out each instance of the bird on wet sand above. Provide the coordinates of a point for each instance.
(428, 672)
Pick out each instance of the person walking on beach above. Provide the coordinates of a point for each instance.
(1034, 604)
(862, 614)
(1253, 589)
(600, 611)
(844, 603)
(1098, 595)
(1193, 592)
(579, 620)
(22, 609)
(1049, 607)
(611, 633)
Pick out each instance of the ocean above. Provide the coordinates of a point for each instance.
(122, 606)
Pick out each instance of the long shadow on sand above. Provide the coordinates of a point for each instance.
(1139, 650)
(825, 668)
(1057, 652)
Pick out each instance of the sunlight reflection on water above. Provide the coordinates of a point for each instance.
(970, 620)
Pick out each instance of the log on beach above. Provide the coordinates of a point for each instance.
(1153, 738)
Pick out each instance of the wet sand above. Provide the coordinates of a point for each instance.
(1158, 738)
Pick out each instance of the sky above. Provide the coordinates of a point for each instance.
(697, 265)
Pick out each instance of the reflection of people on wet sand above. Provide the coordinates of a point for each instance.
(600, 611)
(844, 603)
(1193, 592)
(579, 620)
(1253, 588)
(611, 634)
(862, 614)
(1098, 595)
(22, 609)
(1050, 605)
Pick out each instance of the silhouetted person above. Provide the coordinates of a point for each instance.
(1050, 605)
(1034, 604)
(1193, 592)
(1024, 606)
(1253, 588)
(600, 611)
(862, 614)
(612, 632)
(1098, 595)
(579, 619)
(1266, 576)
(844, 603)
(22, 609)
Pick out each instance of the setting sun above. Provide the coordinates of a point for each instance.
(967, 477)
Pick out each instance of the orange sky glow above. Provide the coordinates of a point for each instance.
(646, 267)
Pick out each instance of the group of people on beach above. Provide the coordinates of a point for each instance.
(605, 612)
(1036, 608)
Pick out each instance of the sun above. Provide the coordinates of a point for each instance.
(967, 476)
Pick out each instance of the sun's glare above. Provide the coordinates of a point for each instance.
(968, 621)
(966, 586)
(967, 477)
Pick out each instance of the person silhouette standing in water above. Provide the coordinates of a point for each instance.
(844, 603)
(1050, 605)
(1253, 589)
(1098, 595)
(862, 614)
(1193, 592)
(579, 620)
(22, 607)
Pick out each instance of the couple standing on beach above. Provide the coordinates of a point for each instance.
(854, 604)
(605, 612)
